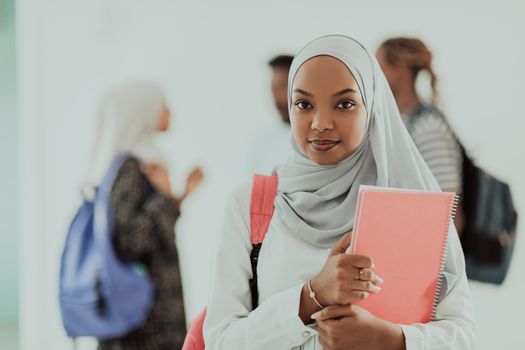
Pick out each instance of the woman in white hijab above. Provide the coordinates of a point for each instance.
(346, 132)
(145, 209)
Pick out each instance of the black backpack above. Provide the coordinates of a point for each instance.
(490, 218)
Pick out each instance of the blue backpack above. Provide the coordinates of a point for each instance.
(100, 296)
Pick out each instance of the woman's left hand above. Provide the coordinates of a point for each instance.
(193, 180)
(352, 327)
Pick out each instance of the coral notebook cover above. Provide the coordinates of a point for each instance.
(405, 233)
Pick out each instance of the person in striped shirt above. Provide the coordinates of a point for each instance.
(402, 60)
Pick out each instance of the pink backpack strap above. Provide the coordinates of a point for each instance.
(264, 190)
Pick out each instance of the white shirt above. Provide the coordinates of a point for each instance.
(285, 263)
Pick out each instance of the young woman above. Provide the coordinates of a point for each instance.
(346, 132)
(145, 208)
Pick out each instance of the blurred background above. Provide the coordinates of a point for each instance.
(57, 56)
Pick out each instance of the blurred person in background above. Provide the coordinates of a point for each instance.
(403, 60)
(271, 147)
(145, 208)
(280, 66)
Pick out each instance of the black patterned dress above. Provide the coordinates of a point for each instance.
(144, 231)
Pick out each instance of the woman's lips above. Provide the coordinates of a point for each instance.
(323, 145)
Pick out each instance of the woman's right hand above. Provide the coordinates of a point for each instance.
(345, 278)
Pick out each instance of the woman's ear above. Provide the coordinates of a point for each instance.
(163, 122)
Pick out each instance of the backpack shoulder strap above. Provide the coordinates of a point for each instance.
(264, 190)
(109, 178)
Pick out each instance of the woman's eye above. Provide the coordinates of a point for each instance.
(346, 104)
(303, 105)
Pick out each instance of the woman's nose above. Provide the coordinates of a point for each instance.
(322, 121)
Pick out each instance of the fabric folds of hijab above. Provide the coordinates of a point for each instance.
(318, 202)
(127, 119)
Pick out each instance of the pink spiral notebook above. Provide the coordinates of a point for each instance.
(405, 232)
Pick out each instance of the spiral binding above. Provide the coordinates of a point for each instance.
(453, 210)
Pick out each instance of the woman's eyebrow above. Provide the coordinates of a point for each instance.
(303, 92)
(345, 91)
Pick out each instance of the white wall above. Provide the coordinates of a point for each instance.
(211, 57)
(8, 174)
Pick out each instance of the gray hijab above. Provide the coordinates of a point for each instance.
(318, 202)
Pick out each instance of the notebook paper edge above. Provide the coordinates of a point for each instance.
(454, 200)
(370, 188)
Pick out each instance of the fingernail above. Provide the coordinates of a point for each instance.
(381, 281)
(316, 315)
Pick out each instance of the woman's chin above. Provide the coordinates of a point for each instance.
(324, 159)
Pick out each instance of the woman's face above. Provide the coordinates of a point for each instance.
(327, 113)
(164, 119)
